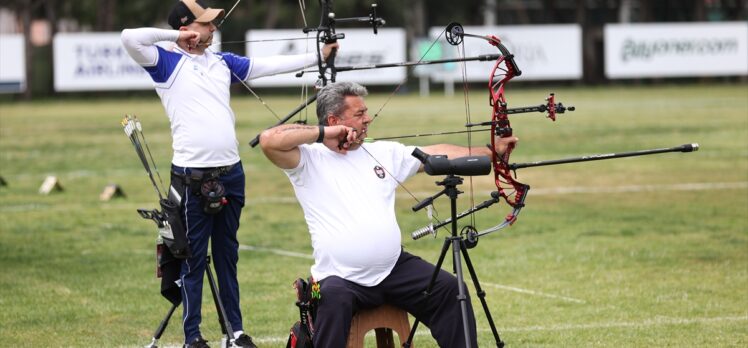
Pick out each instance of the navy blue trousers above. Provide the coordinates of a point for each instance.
(220, 229)
(403, 288)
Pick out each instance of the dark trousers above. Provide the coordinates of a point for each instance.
(220, 229)
(404, 288)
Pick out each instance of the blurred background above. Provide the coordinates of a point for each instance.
(644, 252)
(30, 28)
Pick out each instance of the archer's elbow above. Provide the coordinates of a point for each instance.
(266, 140)
(126, 37)
(271, 143)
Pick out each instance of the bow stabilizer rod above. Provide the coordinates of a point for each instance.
(551, 108)
(372, 19)
(431, 229)
(480, 58)
(683, 148)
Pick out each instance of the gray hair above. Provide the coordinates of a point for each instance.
(331, 99)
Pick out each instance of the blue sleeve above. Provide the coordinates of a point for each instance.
(167, 62)
(238, 65)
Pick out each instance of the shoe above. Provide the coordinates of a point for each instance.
(244, 341)
(198, 342)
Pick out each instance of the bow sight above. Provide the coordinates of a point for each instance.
(550, 107)
(326, 34)
(327, 23)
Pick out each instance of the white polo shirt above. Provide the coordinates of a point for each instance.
(194, 90)
(349, 205)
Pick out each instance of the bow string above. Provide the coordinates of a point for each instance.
(508, 188)
(503, 71)
(325, 33)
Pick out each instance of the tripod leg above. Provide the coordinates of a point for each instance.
(222, 318)
(427, 292)
(162, 327)
(462, 292)
(481, 294)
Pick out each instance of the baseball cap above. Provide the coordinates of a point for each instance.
(188, 11)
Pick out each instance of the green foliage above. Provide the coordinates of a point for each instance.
(637, 254)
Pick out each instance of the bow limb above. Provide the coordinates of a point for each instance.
(508, 221)
(504, 69)
(326, 34)
(228, 13)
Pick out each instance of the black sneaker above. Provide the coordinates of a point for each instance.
(198, 342)
(244, 341)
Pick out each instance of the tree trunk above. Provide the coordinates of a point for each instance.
(271, 18)
(50, 9)
(588, 43)
(24, 11)
(489, 13)
(699, 13)
(645, 7)
(105, 14)
(415, 26)
(552, 12)
(624, 11)
(521, 10)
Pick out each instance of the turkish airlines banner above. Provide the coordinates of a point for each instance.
(359, 47)
(676, 49)
(12, 63)
(99, 62)
(542, 52)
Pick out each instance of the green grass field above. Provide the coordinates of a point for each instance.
(639, 252)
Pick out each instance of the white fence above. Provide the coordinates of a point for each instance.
(12, 63)
(97, 61)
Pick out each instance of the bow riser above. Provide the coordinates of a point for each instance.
(504, 70)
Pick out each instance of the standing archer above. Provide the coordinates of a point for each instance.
(347, 191)
(207, 174)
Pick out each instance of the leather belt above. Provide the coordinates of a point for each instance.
(200, 174)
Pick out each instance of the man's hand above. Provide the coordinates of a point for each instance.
(189, 39)
(503, 144)
(339, 138)
(329, 49)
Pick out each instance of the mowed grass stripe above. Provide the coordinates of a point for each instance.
(655, 246)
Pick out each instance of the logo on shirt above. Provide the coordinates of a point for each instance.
(379, 171)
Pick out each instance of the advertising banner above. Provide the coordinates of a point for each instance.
(99, 62)
(542, 52)
(676, 50)
(12, 63)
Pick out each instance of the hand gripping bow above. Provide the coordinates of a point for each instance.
(508, 188)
